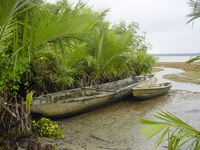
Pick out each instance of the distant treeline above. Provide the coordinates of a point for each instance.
(177, 54)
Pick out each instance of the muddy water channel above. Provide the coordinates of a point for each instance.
(117, 127)
(176, 85)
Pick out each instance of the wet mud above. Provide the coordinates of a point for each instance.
(117, 127)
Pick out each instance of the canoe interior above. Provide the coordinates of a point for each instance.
(69, 94)
(76, 94)
(151, 91)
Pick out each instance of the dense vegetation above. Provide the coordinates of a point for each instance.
(49, 47)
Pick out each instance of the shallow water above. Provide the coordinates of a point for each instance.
(174, 58)
(176, 85)
(117, 127)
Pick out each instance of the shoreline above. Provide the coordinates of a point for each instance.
(81, 135)
(191, 72)
(78, 136)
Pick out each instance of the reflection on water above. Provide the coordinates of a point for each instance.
(176, 85)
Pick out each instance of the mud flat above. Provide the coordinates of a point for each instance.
(117, 127)
(191, 72)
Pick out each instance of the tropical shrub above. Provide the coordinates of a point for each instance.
(108, 51)
(135, 42)
(141, 62)
(24, 33)
(47, 128)
(50, 47)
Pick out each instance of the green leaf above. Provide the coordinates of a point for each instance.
(177, 132)
(29, 97)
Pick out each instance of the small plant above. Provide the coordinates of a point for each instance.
(29, 98)
(47, 128)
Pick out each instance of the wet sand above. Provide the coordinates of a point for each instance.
(117, 127)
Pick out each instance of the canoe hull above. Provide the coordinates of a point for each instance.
(152, 92)
(67, 109)
(60, 104)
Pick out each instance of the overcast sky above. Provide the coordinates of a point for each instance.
(164, 22)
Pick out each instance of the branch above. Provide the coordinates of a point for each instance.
(8, 110)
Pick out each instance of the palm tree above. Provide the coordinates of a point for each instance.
(141, 62)
(20, 39)
(108, 50)
(179, 134)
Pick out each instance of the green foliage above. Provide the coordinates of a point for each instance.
(10, 70)
(49, 47)
(141, 62)
(24, 32)
(178, 132)
(195, 14)
(10, 78)
(29, 97)
(114, 52)
(137, 60)
(135, 42)
(47, 128)
(193, 59)
(108, 50)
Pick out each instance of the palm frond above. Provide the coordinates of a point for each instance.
(179, 133)
(77, 56)
(8, 10)
(48, 26)
(115, 48)
(195, 14)
(193, 59)
(65, 23)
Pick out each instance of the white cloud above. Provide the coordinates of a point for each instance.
(164, 21)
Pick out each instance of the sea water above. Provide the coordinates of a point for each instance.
(173, 58)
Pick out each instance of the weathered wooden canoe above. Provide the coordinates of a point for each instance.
(72, 102)
(151, 91)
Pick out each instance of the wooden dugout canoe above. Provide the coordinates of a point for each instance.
(151, 91)
(68, 103)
